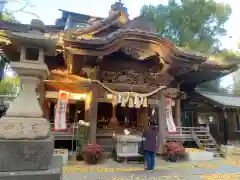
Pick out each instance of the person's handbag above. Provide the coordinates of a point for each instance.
(141, 147)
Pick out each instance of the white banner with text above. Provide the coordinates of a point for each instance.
(169, 116)
(60, 111)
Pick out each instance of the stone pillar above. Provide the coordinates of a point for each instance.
(26, 143)
(24, 130)
(91, 106)
(162, 123)
(42, 102)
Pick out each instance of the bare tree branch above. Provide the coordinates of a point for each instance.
(25, 4)
(31, 13)
(22, 8)
(8, 1)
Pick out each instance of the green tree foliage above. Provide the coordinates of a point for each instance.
(6, 17)
(195, 25)
(10, 85)
(236, 79)
(7, 14)
(192, 24)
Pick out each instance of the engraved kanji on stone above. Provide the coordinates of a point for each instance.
(9, 126)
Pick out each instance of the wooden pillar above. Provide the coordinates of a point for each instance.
(178, 110)
(142, 117)
(226, 131)
(162, 134)
(91, 106)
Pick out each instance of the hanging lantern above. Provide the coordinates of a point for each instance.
(145, 103)
(130, 102)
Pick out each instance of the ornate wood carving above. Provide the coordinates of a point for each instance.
(135, 78)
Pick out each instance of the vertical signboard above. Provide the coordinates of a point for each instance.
(169, 117)
(60, 113)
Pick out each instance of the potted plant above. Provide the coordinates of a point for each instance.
(82, 138)
(93, 153)
(174, 150)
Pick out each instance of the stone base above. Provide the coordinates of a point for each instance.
(199, 156)
(26, 155)
(24, 128)
(53, 173)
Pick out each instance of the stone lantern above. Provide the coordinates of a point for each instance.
(26, 143)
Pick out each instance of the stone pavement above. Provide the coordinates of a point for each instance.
(218, 169)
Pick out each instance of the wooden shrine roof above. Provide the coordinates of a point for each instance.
(221, 100)
(206, 72)
(134, 37)
(18, 27)
(59, 80)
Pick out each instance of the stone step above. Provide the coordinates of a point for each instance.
(218, 154)
(210, 140)
(236, 153)
(209, 144)
(200, 132)
(202, 135)
(211, 149)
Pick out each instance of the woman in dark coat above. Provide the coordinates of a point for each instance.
(150, 146)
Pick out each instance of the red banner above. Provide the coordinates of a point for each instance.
(60, 113)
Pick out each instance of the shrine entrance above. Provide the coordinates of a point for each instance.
(117, 119)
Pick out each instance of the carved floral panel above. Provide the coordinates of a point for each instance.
(134, 78)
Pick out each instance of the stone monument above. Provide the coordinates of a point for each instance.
(26, 143)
